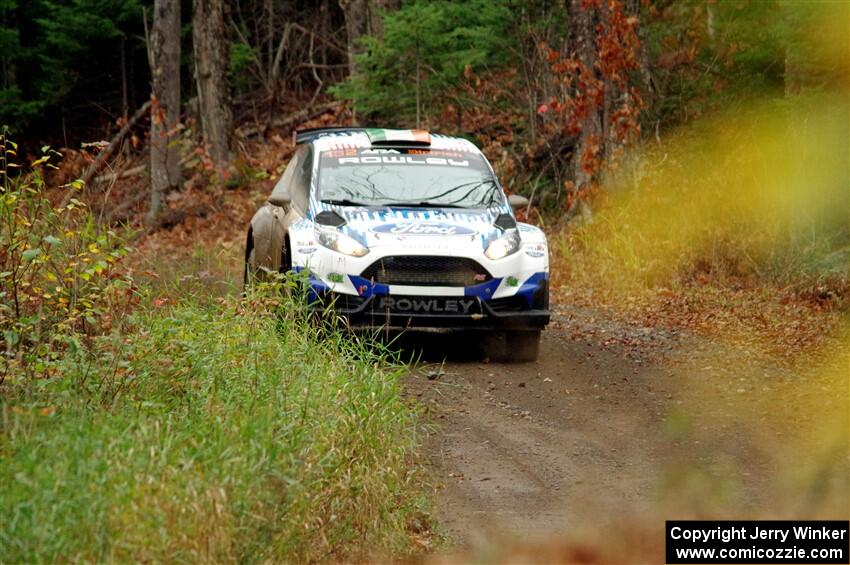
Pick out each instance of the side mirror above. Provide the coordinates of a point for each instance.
(516, 201)
(280, 198)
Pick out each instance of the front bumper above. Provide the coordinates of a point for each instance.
(513, 295)
(526, 310)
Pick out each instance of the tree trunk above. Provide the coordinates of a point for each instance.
(363, 17)
(418, 97)
(356, 26)
(583, 21)
(125, 102)
(376, 9)
(211, 62)
(165, 101)
(270, 37)
(324, 27)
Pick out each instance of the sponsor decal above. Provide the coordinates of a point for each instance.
(428, 305)
(354, 152)
(536, 250)
(423, 228)
(306, 250)
(335, 158)
(402, 160)
(379, 134)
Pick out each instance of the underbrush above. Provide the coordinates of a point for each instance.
(58, 277)
(741, 220)
(210, 432)
(152, 420)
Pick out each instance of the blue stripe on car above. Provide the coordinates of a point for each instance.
(366, 288)
(484, 290)
(317, 286)
(529, 287)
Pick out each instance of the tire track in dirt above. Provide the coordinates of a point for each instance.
(587, 433)
(524, 449)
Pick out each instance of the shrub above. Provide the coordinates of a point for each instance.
(755, 197)
(58, 275)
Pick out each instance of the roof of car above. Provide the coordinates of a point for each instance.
(326, 139)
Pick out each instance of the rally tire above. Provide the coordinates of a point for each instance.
(249, 274)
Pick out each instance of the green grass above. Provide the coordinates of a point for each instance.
(211, 430)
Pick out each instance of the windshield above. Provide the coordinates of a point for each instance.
(407, 177)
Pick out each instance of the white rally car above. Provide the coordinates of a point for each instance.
(402, 229)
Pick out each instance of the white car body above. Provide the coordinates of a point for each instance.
(395, 258)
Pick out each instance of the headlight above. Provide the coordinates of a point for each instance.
(503, 246)
(338, 241)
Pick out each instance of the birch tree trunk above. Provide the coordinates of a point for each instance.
(211, 62)
(165, 98)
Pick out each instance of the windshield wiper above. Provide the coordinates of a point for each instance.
(343, 202)
(420, 204)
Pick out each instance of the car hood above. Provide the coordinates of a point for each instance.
(413, 229)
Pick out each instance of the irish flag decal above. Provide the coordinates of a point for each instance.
(417, 136)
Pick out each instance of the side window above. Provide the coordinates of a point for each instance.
(300, 187)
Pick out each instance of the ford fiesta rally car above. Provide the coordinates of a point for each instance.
(402, 229)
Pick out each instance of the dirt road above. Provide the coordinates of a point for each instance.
(601, 426)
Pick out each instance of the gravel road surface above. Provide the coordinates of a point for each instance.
(612, 420)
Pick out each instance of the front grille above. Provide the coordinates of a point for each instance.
(426, 270)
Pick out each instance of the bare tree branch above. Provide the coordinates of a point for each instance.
(107, 152)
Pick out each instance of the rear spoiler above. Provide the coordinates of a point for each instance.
(308, 135)
(377, 136)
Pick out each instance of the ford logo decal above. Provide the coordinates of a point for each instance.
(423, 228)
